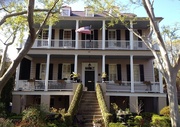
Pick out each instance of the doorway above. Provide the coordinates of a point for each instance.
(89, 80)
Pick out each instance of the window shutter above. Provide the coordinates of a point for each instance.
(118, 35)
(127, 35)
(59, 71)
(25, 69)
(141, 67)
(107, 71)
(96, 38)
(37, 70)
(60, 37)
(119, 72)
(53, 34)
(140, 32)
(128, 72)
(51, 72)
(106, 38)
(73, 38)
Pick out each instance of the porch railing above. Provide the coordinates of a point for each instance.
(125, 86)
(89, 44)
(25, 85)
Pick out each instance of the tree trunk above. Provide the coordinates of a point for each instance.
(173, 101)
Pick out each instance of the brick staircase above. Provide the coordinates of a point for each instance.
(88, 108)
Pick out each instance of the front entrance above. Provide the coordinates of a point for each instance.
(89, 80)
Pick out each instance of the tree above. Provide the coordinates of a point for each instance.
(18, 17)
(168, 62)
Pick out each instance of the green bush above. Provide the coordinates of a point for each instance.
(166, 111)
(160, 121)
(116, 125)
(74, 105)
(138, 120)
(105, 113)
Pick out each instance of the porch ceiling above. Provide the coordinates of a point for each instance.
(89, 56)
(71, 24)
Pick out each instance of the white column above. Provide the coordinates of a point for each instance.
(131, 35)
(17, 77)
(75, 63)
(49, 36)
(160, 82)
(103, 63)
(47, 72)
(132, 73)
(77, 35)
(103, 34)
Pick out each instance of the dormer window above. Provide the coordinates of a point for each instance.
(89, 12)
(66, 11)
(114, 11)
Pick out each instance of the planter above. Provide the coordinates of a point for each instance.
(96, 124)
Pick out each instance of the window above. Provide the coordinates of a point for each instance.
(42, 71)
(112, 38)
(89, 12)
(43, 34)
(67, 35)
(136, 73)
(66, 70)
(112, 72)
(66, 12)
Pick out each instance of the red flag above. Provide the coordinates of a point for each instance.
(85, 30)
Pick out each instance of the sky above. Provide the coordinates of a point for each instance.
(168, 9)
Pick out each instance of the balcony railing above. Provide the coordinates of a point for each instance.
(62, 85)
(90, 44)
(125, 86)
(25, 85)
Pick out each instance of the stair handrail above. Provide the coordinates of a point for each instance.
(102, 104)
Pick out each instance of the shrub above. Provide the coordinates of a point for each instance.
(138, 120)
(166, 111)
(118, 124)
(160, 121)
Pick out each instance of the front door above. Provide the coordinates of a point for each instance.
(89, 80)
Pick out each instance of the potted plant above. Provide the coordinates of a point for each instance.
(74, 76)
(97, 122)
(103, 76)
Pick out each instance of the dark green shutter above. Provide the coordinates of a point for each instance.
(140, 33)
(51, 72)
(106, 38)
(25, 69)
(59, 71)
(52, 37)
(107, 71)
(128, 72)
(73, 38)
(118, 35)
(60, 37)
(37, 71)
(127, 35)
(95, 38)
(119, 71)
(141, 67)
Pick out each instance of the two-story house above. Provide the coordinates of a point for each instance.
(43, 76)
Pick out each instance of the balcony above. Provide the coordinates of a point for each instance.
(87, 44)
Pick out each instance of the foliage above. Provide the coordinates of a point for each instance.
(74, 105)
(6, 123)
(2, 110)
(166, 111)
(160, 121)
(138, 120)
(104, 75)
(74, 75)
(118, 124)
(105, 113)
